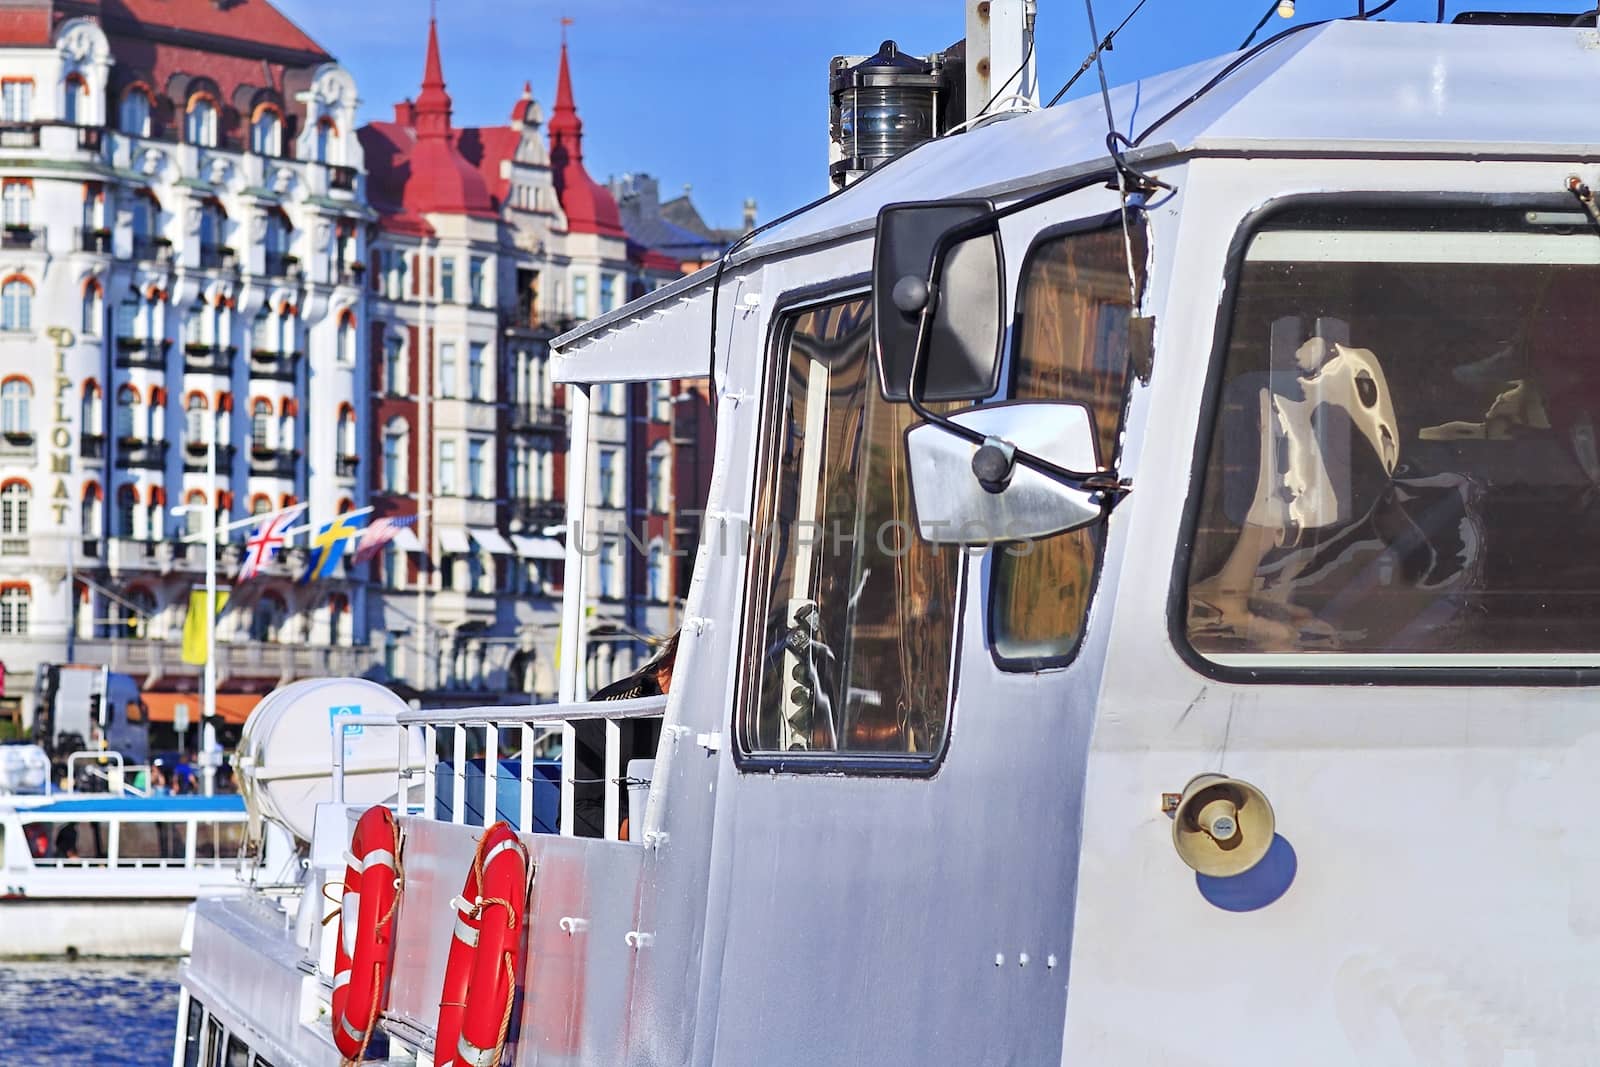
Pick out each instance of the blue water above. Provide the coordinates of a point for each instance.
(104, 1014)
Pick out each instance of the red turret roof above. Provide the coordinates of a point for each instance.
(589, 205)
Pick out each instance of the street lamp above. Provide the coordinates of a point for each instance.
(209, 671)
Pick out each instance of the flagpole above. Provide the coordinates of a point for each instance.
(210, 673)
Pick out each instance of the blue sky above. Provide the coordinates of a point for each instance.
(732, 98)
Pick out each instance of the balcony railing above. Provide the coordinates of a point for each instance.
(95, 241)
(22, 237)
(281, 265)
(194, 457)
(538, 418)
(138, 453)
(17, 444)
(92, 446)
(537, 515)
(14, 546)
(19, 135)
(91, 137)
(216, 257)
(342, 178)
(152, 249)
(352, 274)
(345, 466)
(201, 358)
(273, 462)
(149, 352)
(273, 366)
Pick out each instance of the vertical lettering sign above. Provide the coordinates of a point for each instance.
(61, 426)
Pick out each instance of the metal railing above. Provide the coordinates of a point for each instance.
(528, 728)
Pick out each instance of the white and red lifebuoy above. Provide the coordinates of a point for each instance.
(485, 951)
(364, 950)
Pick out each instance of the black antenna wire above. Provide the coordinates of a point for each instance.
(1094, 54)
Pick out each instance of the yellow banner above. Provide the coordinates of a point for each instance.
(195, 623)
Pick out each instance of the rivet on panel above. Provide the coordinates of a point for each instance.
(1050, 961)
(999, 960)
(1022, 960)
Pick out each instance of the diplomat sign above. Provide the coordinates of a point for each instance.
(61, 426)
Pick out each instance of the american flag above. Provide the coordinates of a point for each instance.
(380, 533)
(267, 539)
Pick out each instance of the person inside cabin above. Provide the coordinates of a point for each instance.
(67, 842)
(39, 842)
(639, 740)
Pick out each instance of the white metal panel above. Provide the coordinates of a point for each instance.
(674, 344)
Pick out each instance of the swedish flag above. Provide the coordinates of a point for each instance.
(329, 545)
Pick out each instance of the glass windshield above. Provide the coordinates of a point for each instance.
(1404, 466)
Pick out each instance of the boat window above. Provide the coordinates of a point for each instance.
(854, 612)
(213, 1042)
(218, 841)
(191, 1033)
(68, 844)
(151, 844)
(262, 1061)
(1072, 344)
(1404, 464)
(238, 1052)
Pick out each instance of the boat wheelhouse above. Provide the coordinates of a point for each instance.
(916, 793)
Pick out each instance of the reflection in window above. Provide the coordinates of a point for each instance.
(1072, 329)
(855, 613)
(1405, 460)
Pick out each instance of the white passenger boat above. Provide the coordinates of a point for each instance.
(113, 875)
(1283, 758)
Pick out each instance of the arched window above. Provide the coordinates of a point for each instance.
(267, 618)
(656, 480)
(212, 221)
(194, 515)
(91, 413)
(93, 309)
(17, 198)
(347, 338)
(15, 496)
(127, 412)
(279, 237)
(326, 148)
(347, 430)
(16, 602)
(200, 125)
(16, 305)
(260, 504)
(286, 433)
(196, 412)
(394, 367)
(261, 425)
(394, 456)
(127, 512)
(89, 513)
(16, 406)
(75, 100)
(133, 117)
(656, 573)
(266, 132)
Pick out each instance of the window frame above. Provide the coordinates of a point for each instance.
(1327, 672)
(786, 311)
(1089, 224)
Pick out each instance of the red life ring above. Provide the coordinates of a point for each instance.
(484, 954)
(364, 950)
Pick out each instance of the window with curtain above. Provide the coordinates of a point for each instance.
(447, 468)
(476, 486)
(447, 369)
(394, 456)
(475, 379)
(394, 367)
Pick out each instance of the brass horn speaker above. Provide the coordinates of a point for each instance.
(1222, 826)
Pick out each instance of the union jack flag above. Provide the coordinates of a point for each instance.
(267, 539)
(380, 533)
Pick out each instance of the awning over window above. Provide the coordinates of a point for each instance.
(490, 540)
(453, 540)
(233, 707)
(406, 540)
(539, 547)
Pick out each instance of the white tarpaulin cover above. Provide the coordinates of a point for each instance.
(490, 540)
(539, 547)
(453, 539)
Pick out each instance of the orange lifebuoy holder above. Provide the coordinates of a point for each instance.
(364, 951)
(484, 954)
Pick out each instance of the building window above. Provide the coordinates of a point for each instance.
(14, 499)
(394, 456)
(608, 292)
(16, 101)
(604, 398)
(661, 401)
(447, 468)
(656, 479)
(267, 618)
(90, 415)
(656, 573)
(15, 601)
(200, 125)
(18, 204)
(16, 305)
(195, 419)
(347, 340)
(347, 431)
(74, 100)
(266, 135)
(261, 425)
(394, 367)
(447, 279)
(475, 282)
(133, 117)
(608, 563)
(92, 310)
(447, 369)
(326, 147)
(475, 486)
(475, 371)
(16, 406)
(127, 412)
(261, 331)
(608, 477)
(580, 297)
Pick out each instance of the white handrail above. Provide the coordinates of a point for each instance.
(535, 714)
(344, 719)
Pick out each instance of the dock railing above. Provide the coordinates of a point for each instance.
(526, 729)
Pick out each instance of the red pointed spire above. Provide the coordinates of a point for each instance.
(433, 104)
(566, 128)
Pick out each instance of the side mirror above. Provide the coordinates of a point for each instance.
(962, 358)
(960, 501)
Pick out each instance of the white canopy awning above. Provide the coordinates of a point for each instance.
(539, 547)
(406, 540)
(453, 539)
(490, 540)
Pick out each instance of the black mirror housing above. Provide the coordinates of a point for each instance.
(962, 358)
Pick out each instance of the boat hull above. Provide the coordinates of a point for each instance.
(38, 927)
